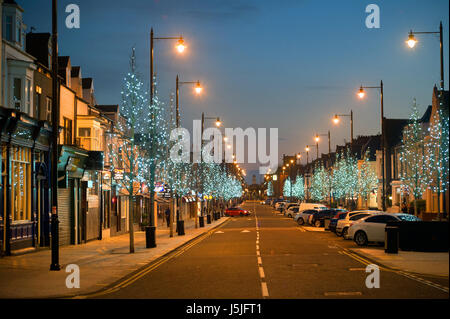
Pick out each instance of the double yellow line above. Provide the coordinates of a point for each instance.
(175, 253)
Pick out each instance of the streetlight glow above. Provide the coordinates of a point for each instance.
(299, 155)
(218, 122)
(361, 93)
(180, 45)
(411, 42)
(336, 119)
(307, 148)
(198, 88)
(317, 138)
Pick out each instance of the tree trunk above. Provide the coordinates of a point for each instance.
(416, 213)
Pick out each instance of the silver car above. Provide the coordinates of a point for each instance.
(302, 217)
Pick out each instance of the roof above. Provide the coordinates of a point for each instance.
(393, 129)
(37, 45)
(108, 108)
(75, 71)
(87, 83)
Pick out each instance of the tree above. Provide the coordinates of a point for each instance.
(319, 183)
(269, 189)
(412, 157)
(345, 176)
(367, 178)
(287, 188)
(437, 154)
(298, 189)
(126, 155)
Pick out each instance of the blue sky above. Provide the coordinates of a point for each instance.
(287, 64)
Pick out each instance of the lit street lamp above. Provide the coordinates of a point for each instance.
(317, 139)
(198, 90)
(150, 231)
(361, 95)
(412, 41)
(336, 121)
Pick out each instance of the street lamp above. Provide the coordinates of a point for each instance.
(361, 94)
(150, 231)
(317, 139)
(336, 121)
(412, 41)
(198, 90)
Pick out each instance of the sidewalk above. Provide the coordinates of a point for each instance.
(411, 261)
(101, 263)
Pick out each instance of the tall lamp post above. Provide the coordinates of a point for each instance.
(412, 42)
(336, 121)
(55, 132)
(198, 90)
(361, 95)
(307, 173)
(150, 238)
(317, 139)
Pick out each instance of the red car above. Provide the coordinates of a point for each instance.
(236, 211)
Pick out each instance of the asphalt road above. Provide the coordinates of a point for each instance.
(268, 256)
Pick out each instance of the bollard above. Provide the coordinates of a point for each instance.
(150, 238)
(201, 221)
(391, 240)
(180, 227)
(208, 219)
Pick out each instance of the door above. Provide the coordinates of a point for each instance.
(83, 211)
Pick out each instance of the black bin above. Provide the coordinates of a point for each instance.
(180, 227)
(391, 240)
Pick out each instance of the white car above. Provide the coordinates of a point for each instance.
(372, 228)
(302, 217)
(315, 206)
(279, 205)
(344, 223)
(287, 206)
(291, 211)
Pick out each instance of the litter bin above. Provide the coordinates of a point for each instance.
(180, 227)
(201, 221)
(391, 240)
(208, 219)
(326, 222)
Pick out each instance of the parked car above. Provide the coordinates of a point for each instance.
(291, 211)
(279, 206)
(333, 222)
(344, 222)
(302, 217)
(318, 219)
(276, 200)
(236, 211)
(305, 206)
(287, 206)
(267, 201)
(372, 228)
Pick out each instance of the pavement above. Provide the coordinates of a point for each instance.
(269, 256)
(101, 263)
(427, 263)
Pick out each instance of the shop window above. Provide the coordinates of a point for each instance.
(20, 184)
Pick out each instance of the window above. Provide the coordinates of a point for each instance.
(84, 132)
(49, 109)
(67, 131)
(20, 184)
(359, 216)
(9, 28)
(381, 219)
(19, 31)
(17, 93)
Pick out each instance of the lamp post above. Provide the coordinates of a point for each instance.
(411, 42)
(55, 132)
(198, 90)
(317, 139)
(336, 121)
(361, 95)
(150, 231)
(307, 173)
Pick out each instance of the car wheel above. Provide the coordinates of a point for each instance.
(300, 221)
(317, 223)
(289, 215)
(361, 238)
(345, 232)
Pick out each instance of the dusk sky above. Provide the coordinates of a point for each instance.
(289, 64)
